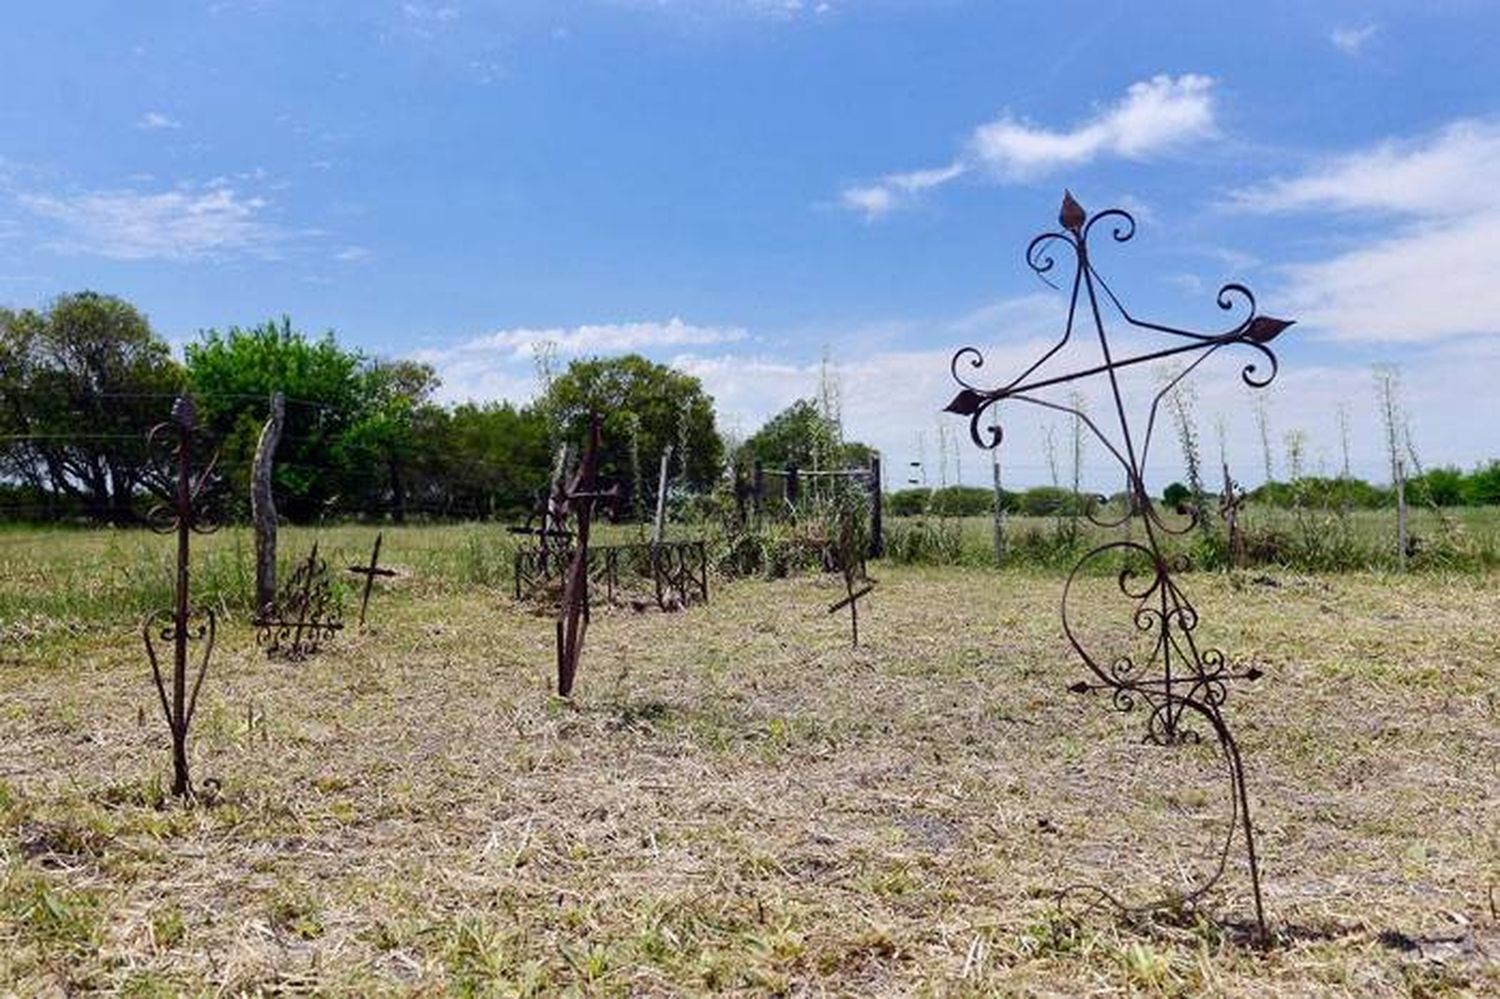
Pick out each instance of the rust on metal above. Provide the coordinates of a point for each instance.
(370, 570)
(304, 616)
(858, 584)
(183, 625)
(1177, 682)
(577, 501)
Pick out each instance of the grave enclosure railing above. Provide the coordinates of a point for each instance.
(677, 571)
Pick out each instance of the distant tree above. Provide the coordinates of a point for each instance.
(1176, 494)
(644, 405)
(495, 458)
(803, 436)
(385, 447)
(233, 373)
(83, 380)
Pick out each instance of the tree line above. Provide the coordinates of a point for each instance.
(84, 378)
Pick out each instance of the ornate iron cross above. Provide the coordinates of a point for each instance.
(181, 625)
(1178, 682)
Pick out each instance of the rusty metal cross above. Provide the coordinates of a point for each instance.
(370, 571)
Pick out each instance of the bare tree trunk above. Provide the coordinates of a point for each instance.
(263, 506)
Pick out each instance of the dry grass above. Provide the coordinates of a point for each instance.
(739, 803)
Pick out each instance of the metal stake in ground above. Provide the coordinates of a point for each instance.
(573, 620)
(370, 572)
(1180, 684)
(180, 626)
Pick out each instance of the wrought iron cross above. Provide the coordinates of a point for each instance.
(370, 572)
(857, 583)
(1178, 682)
(178, 626)
(578, 499)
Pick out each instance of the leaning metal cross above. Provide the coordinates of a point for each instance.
(1177, 681)
(370, 572)
(866, 587)
(578, 499)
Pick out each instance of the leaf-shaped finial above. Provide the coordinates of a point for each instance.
(1072, 216)
(966, 403)
(1264, 329)
(184, 413)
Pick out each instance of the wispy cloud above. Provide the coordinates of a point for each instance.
(701, 9)
(185, 223)
(1351, 41)
(497, 364)
(1426, 270)
(1154, 117)
(153, 121)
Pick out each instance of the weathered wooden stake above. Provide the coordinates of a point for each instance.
(263, 505)
(1401, 540)
(658, 529)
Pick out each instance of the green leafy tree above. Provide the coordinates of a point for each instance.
(83, 380)
(803, 436)
(234, 374)
(646, 403)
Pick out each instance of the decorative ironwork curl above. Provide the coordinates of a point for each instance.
(1181, 685)
(305, 614)
(180, 514)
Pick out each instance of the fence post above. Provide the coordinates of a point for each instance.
(792, 490)
(999, 508)
(1401, 538)
(659, 527)
(757, 488)
(877, 510)
(263, 505)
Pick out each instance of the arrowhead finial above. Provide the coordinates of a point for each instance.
(1072, 216)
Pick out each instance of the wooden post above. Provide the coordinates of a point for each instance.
(658, 529)
(1401, 539)
(791, 487)
(999, 507)
(263, 505)
(757, 488)
(877, 509)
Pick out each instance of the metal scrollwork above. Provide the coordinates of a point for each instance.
(1181, 685)
(304, 616)
(180, 627)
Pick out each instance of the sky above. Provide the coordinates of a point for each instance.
(753, 189)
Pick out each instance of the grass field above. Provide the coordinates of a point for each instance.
(735, 802)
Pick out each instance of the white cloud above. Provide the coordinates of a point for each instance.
(1155, 116)
(186, 223)
(155, 121)
(498, 364)
(1427, 269)
(352, 255)
(1351, 41)
(875, 200)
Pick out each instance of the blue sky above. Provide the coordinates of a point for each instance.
(743, 186)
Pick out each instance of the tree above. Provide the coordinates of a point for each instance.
(84, 379)
(645, 406)
(233, 375)
(803, 436)
(385, 447)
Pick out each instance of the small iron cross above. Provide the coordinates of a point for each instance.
(370, 572)
(857, 582)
